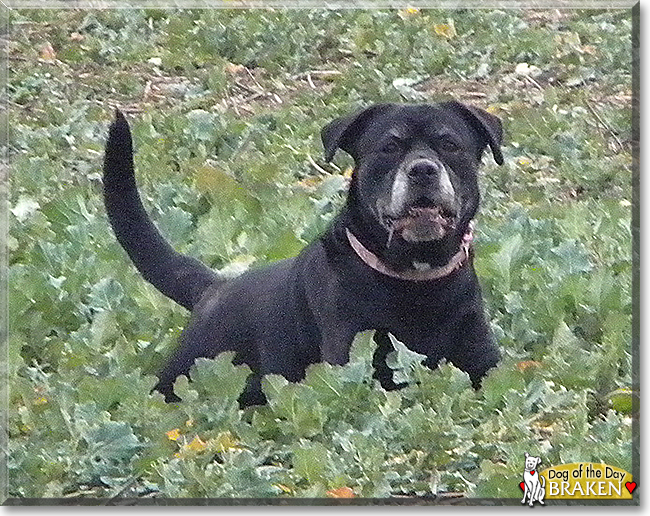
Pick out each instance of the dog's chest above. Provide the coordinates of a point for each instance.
(397, 308)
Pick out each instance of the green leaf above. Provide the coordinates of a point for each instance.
(273, 386)
(201, 124)
(359, 368)
(506, 258)
(218, 378)
(311, 461)
(103, 328)
(285, 245)
(106, 393)
(24, 208)
(111, 440)
(568, 360)
(623, 400)
(499, 381)
(175, 224)
(105, 294)
(183, 389)
(326, 381)
(296, 404)
(574, 257)
(402, 361)
(513, 302)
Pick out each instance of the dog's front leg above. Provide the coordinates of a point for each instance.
(473, 349)
(336, 340)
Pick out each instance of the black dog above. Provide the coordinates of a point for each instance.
(397, 258)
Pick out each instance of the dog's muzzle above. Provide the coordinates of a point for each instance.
(423, 205)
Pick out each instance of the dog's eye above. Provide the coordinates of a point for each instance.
(447, 145)
(391, 147)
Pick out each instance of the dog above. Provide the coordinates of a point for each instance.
(534, 487)
(397, 258)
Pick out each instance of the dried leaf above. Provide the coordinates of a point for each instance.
(341, 492)
(47, 52)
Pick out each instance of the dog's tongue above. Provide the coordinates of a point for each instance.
(422, 225)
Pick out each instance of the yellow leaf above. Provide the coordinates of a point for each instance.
(341, 492)
(446, 30)
(224, 441)
(197, 445)
(409, 11)
(216, 180)
(40, 401)
(310, 181)
(284, 488)
(174, 434)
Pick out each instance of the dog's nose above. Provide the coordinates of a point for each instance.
(424, 170)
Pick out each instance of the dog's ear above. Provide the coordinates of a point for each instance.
(343, 132)
(488, 125)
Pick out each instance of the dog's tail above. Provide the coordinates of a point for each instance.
(179, 277)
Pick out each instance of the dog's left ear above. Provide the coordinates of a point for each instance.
(488, 125)
(343, 132)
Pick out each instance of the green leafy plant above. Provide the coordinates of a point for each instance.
(227, 108)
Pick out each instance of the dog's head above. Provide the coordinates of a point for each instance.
(531, 462)
(416, 166)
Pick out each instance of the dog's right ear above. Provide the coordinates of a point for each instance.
(343, 132)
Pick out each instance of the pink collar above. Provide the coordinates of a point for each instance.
(433, 273)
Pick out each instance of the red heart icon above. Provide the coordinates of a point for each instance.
(631, 486)
(532, 472)
(521, 484)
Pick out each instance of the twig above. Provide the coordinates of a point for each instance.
(147, 90)
(256, 96)
(244, 87)
(254, 79)
(304, 75)
(604, 124)
(317, 166)
(234, 105)
(534, 82)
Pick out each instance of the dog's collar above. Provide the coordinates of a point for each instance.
(433, 273)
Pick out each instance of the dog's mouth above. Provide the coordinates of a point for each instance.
(421, 224)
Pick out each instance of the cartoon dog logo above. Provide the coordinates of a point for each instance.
(534, 487)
